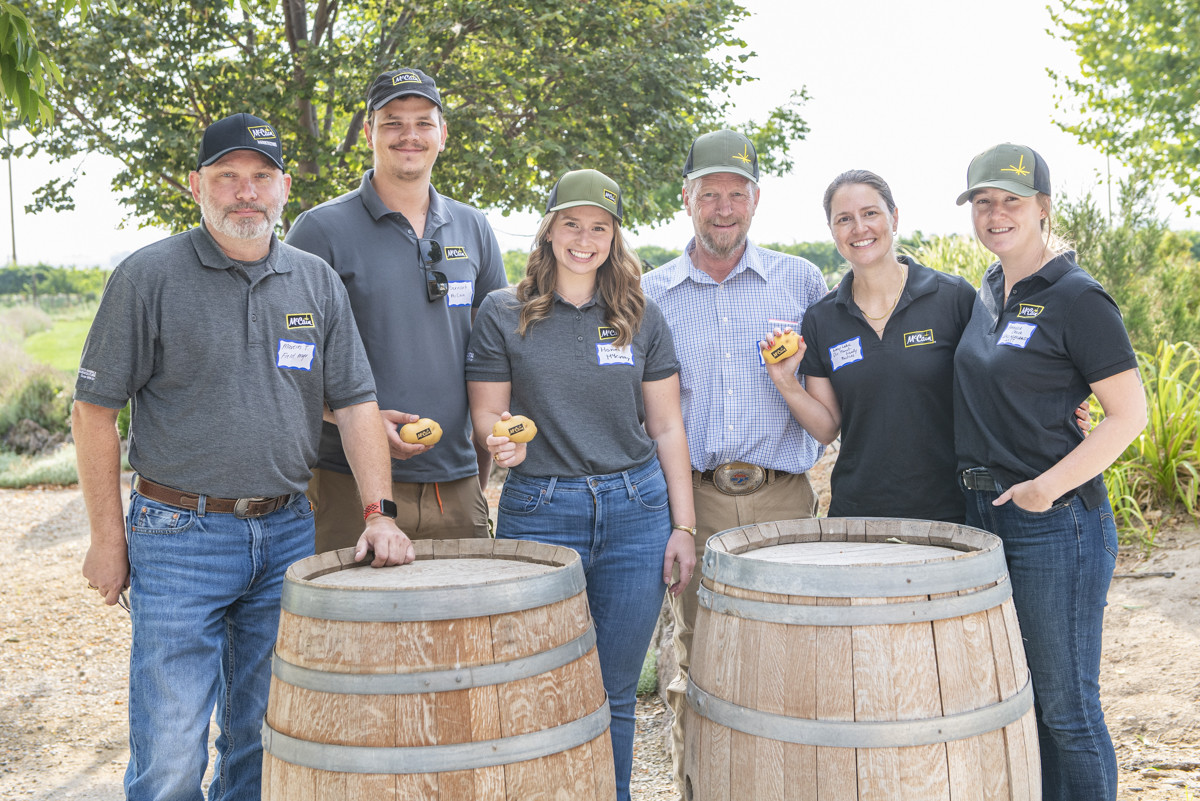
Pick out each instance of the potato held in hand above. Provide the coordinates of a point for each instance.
(422, 432)
(786, 345)
(518, 429)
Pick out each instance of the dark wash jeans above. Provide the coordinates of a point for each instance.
(1061, 562)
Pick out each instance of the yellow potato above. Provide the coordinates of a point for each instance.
(518, 428)
(786, 345)
(422, 432)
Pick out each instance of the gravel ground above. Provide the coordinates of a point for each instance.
(64, 663)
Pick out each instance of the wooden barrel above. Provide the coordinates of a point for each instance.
(858, 659)
(469, 674)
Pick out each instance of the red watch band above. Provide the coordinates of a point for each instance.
(372, 508)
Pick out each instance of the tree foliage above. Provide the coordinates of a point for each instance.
(25, 69)
(1139, 94)
(530, 90)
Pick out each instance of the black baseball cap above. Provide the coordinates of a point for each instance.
(399, 83)
(239, 132)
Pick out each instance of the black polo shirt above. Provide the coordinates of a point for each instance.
(895, 395)
(1023, 367)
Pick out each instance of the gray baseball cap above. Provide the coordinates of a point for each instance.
(1013, 168)
(722, 151)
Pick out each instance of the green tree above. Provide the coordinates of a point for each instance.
(657, 256)
(514, 264)
(25, 70)
(530, 91)
(1140, 84)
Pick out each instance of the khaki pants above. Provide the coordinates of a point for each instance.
(785, 496)
(461, 513)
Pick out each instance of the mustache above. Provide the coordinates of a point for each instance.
(261, 209)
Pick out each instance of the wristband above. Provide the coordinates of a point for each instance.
(383, 507)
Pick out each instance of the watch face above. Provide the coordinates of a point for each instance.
(387, 509)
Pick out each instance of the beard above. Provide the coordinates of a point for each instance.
(222, 223)
(725, 246)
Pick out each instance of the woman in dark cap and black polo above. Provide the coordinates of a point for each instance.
(1043, 335)
(579, 349)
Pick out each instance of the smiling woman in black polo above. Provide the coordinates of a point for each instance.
(1044, 335)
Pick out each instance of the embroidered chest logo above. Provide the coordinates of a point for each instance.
(606, 332)
(914, 338)
(1028, 311)
(301, 320)
(451, 252)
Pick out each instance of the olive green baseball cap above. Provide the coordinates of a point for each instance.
(722, 151)
(586, 188)
(1013, 168)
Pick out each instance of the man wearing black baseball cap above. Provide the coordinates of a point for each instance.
(416, 265)
(749, 455)
(228, 342)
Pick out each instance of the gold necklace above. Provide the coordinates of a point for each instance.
(886, 314)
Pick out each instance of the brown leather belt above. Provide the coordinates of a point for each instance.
(240, 507)
(739, 478)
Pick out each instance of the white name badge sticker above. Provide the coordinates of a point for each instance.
(295, 355)
(611, 354)
(847, 352)
(1016, 335)
(461, 293)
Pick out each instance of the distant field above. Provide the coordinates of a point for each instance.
(60, 345)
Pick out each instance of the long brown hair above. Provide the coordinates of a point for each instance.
(618, 283)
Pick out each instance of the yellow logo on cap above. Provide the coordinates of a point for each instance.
(610, 196)
(406, 77)
(260, 132)
(744, 156)
(1019, 169)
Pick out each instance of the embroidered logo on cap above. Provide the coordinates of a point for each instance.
(304, 320)
(451, 252)
(744, 156)
(263, 133)
(406, 77)
(610, 196)
(1019, 169)
(1028, 311)
(914, 338)
(606, 332)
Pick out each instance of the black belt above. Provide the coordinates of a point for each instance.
(240, 507)
(978, 478)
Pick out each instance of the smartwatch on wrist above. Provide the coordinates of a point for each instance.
(383, 506)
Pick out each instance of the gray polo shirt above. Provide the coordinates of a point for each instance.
(227, 375)
(416, 348)
(583, 392)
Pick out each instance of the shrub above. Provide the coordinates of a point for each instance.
(57, 468)
(42, 395)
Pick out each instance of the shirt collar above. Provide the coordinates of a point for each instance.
(1049, 273)
(920, 281)
(439, 213)
(684, 267)
(210, 254)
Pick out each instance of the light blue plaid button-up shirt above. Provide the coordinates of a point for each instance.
(731, 410)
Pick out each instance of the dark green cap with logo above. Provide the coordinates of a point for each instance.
(586, 188)
(722, 151)
(1013, 168)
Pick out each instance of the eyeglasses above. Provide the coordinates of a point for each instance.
(430, 253)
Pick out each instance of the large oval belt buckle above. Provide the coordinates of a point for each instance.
(739, 478)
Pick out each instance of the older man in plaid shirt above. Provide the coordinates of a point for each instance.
(749, 455)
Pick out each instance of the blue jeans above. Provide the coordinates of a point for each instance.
(1061, 562)
(205, 605)
(619, 525)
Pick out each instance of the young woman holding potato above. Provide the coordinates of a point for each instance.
(585, 355)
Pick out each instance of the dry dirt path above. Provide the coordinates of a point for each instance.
(64, 662)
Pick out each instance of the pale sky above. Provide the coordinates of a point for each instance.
(909, 90)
